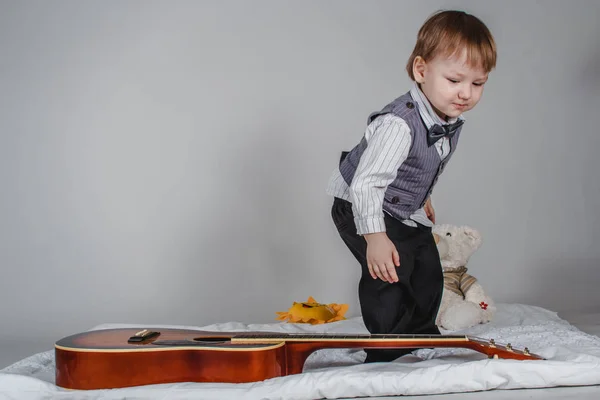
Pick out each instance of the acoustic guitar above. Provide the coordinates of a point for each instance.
(116, 358)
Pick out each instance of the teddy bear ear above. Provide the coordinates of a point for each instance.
(473, 234)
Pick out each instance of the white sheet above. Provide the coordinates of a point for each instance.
(573, 359)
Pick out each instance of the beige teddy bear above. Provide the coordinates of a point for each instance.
(464, 302)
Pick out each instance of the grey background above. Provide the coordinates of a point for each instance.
(166, 162)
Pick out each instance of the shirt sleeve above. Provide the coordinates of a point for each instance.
(388, 142)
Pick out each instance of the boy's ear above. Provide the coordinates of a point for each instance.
(419, 67)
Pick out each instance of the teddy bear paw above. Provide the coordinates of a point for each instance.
(461, 316)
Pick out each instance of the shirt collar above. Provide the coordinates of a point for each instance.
(428, 115)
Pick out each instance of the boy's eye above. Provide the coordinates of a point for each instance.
(452, 80)
(477, 84)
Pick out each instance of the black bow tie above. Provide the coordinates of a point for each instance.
(436, 132)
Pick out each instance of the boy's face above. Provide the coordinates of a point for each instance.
(450, 84)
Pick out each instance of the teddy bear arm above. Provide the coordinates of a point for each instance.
(477, 295)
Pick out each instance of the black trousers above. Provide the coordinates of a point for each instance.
(407, 306)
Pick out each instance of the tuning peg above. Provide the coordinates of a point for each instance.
(495, 356)
(526, 351)
(509, 347)
(492, 343)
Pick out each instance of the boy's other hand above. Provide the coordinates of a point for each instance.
(429, 210)
(382, 257)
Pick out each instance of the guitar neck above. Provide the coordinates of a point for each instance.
(381, 341)
(294, 337)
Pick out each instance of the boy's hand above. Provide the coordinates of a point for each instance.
(382, 257)
(429, 210)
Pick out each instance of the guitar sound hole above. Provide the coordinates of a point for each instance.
(209, 339)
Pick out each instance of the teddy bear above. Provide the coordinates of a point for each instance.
(464, 302)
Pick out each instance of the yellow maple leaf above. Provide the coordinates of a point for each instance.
(313, 312)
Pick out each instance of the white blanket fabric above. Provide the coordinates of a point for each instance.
(573, 358)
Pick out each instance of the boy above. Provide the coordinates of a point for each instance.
(382, 206)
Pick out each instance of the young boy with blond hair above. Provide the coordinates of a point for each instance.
(382, 187)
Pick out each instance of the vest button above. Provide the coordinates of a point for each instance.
(395, 200)
(410, 105)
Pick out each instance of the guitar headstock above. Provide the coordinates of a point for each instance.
(495, 350)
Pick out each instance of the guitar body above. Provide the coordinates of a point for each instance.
(116, 358)
(104, 359)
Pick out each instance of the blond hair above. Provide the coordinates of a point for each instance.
(445, 32)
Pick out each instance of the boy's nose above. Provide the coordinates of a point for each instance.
(465, 93)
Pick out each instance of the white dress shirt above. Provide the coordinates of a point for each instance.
(388, 143)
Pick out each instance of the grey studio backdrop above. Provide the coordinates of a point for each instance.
(166, 161)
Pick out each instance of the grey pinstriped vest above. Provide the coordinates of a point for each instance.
(418, 174)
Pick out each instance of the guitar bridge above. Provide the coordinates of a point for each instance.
(143, 336)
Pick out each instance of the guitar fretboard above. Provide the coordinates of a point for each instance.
(303, 336)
